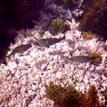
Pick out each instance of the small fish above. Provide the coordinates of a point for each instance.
(40, 42)
(20, 49)
(81, 59)
(48, 41)
(51, 41)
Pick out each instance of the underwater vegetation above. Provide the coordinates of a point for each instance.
(58, 26)
(88, 35)
(16, 15)
(64, 97)
(97, 58)
(94, 18)
(70, 97)
(92, 98)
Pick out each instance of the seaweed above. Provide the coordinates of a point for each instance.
(92, 97)
(94, 18)
(64, 96)
(97, 58)
(88, 35)
(70, 97)
(58, 26)
(53, 92)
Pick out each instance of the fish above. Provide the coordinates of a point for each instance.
(80, 59)
(40, 42)
(51, 41)
(20, 49)
(47, 42)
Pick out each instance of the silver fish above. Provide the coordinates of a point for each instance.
(20, 49)
(51, 41)
(40, 42)
(81, 59)
(48, 41)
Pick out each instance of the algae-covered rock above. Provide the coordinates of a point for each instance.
(57, 26)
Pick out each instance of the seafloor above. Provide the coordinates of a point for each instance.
(23, 79)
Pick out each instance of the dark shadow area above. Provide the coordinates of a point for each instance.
(14, 16)
(71, 4)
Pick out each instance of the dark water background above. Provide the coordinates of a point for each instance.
(16, 15)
